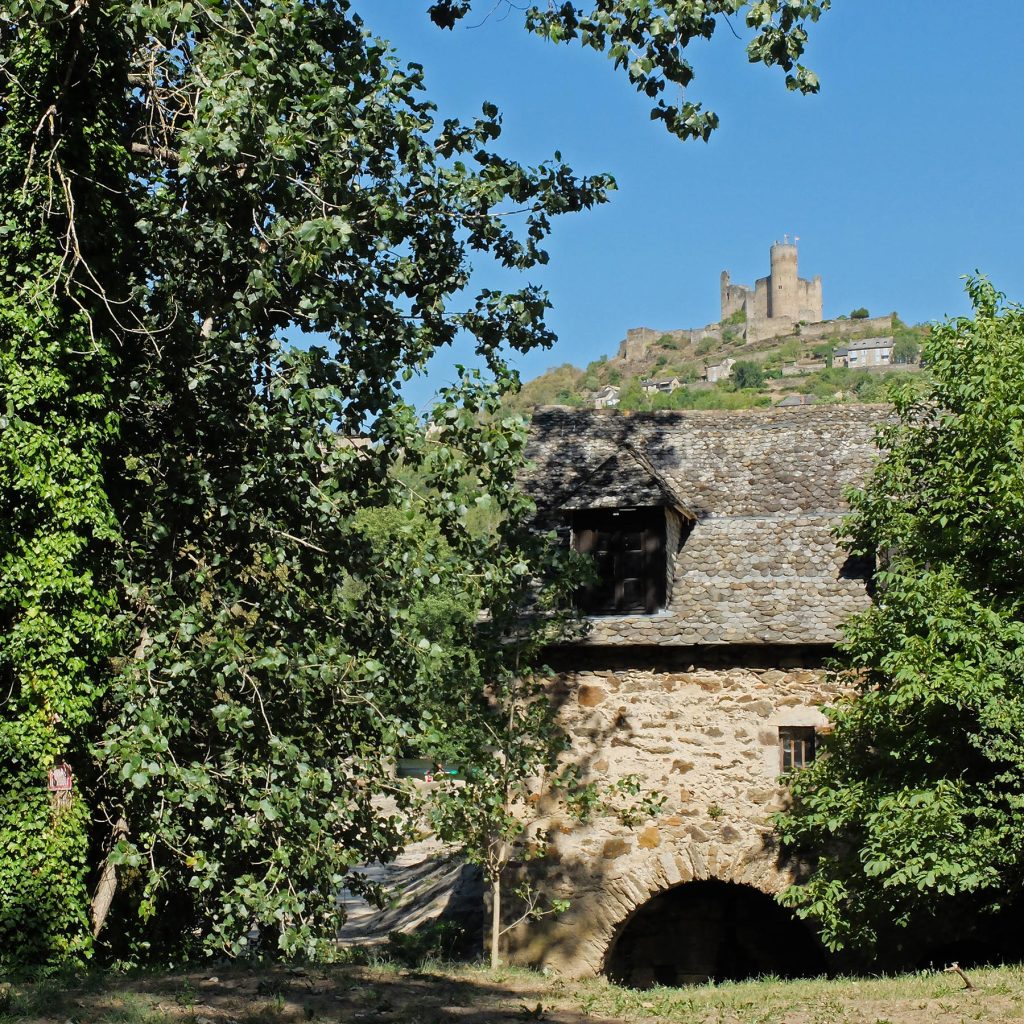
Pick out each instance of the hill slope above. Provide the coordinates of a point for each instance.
(764, 373)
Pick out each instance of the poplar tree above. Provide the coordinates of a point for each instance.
(230, 232)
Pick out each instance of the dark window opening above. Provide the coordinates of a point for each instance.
(796, 746)
(628, 548)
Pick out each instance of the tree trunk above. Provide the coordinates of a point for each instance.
(495, 919)
(106, 887)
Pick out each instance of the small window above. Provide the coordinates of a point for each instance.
(628, 547)
(796, 747)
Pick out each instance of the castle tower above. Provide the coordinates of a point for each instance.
(734, 296)
(784, 289)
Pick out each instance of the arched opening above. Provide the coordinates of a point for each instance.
(711, 931)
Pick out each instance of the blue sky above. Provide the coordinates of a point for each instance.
(902, 175)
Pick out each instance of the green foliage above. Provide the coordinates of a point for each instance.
(747, 374)
(915, 815)
(226, 616)
(790, 351)
(648, 40)
(434, 941)
(906, 350)
(722, 396)
(705, 345)
(561, 385)
(632, 397)
(735, 319)
(58, 422)
(860, 313)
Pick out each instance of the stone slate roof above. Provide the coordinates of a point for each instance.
(869, 343)
(765, 487)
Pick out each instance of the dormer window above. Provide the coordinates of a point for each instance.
(628, 547)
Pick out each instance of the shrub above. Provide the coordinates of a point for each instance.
(437, 940)
(747, 374)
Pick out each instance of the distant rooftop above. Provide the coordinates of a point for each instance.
(869, 343)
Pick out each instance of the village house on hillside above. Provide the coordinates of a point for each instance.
(719, 371)
(863, 353)
(664, 387)
(606, 397)
(720, 596)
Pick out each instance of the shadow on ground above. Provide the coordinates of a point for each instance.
(280, 995)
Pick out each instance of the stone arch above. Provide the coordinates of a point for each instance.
(597, 917)
(711, 931)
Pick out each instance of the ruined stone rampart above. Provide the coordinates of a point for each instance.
(876, 325)
(635, 347)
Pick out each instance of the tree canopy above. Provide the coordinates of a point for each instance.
(915, 814)
(746, 373)
(648, 41)
(230, 231)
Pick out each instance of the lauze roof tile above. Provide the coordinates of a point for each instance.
(765, 487)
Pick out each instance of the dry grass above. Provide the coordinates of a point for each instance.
(444, 994)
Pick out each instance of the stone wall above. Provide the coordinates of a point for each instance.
(733, 296)
(847, 328)
(699, 726)
(635, 347)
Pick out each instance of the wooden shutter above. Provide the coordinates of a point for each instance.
(628, 548)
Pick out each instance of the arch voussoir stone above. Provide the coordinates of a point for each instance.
(600, 913)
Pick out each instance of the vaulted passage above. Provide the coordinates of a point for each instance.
(711, 931)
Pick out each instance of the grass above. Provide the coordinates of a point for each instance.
(442, 993)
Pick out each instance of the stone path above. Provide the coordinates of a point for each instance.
(428, 882)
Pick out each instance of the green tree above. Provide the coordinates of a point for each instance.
(916, 814)
(234, 172)
(906, 350)
(790, 351)
(633, 398)
(747, 374)
(196, 616)
(59, 396)
(860, 313)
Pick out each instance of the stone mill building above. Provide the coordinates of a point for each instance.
(721, 591)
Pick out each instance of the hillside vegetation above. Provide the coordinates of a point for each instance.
(757, 379)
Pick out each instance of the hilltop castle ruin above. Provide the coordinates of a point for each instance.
(777, 303)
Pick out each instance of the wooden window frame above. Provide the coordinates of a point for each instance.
(630, 547)
(798, 746)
